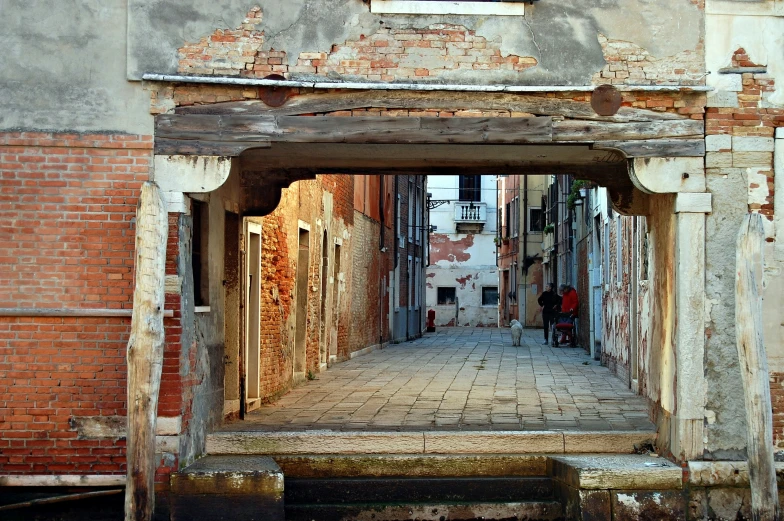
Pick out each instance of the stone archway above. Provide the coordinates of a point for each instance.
(651, 162)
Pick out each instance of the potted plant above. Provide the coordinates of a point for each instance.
(550, 228)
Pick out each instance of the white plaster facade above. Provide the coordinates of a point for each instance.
(463, 254)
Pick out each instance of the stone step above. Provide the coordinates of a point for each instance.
(427, 442)
(416, 490)
(231, 488)
(529, 511)
(412, 465)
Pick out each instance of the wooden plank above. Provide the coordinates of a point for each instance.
(322, 102)
(328, 129)
(198, 147)
(754, 368)
(656, 147)
(565, 131)
(188, 126)
(145, 352)
(492, 130)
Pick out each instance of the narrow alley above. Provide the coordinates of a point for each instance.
(459, 379)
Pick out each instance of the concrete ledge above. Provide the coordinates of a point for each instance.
(509, 442)
(315, 442)
(428, 442)
(622, 472)
(229, 475)
(69, 480)
(413, 465)
(606, 442)
(725, 473)
(228, 487)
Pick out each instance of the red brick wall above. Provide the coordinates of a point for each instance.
(66, 241)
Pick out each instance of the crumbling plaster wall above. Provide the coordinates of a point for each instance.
(562, 37)
(202, 366)
(64, 69)
(744, 112)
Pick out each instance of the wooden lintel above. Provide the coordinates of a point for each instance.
(656, 147)
(581, 131)
(324, 102)
(230, 135)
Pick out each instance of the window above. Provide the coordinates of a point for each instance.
(200, 253)
(514, 225)
(411, 205)
(470, 188)
(508, 229)
(535, 220)
(475, 7)
(446, 296)
(490, 296)
(417, 272)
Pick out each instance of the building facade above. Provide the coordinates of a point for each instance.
(519, 239)
(101, 97)
(462, 278)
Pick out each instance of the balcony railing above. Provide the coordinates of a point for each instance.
(466, 212)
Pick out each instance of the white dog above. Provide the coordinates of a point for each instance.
(517, 332)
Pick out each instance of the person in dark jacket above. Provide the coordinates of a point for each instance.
(551, 304)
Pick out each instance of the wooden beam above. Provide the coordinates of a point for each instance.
(324, 102)
(145, 352)
(754, 368)
(579, 131)
(656, 147)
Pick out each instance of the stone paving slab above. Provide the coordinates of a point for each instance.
(462, 379)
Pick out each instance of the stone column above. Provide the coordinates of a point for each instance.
(679, 204)
(686, 434)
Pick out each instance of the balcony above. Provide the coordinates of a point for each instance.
(471, 212)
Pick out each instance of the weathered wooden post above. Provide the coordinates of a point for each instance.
(145, 352)
(754, 369)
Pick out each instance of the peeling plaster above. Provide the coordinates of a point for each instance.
(561, 36)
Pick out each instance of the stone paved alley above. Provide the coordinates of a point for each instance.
(459, 379)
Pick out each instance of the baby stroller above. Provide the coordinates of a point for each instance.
(563, 325)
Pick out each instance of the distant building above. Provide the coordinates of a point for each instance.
(519, 238)
(462, 277)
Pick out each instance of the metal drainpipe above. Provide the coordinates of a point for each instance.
(525, 255)
(395, 240)
(381, 194)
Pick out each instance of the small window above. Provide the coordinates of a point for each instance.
(535, 220)
(446, 296)
(490, 296)
(200, 253)
(470, 188)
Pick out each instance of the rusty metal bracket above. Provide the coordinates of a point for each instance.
(606, 100)
(274, 96)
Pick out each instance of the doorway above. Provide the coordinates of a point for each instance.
(252, 369)
(300, 335)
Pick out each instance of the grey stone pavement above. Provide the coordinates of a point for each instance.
(459, 379)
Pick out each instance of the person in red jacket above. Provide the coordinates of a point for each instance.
(569, 302)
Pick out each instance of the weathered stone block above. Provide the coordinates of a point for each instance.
(718, 160)
(747, 159)
(718, 143)
(622, 472)
(636, 505)
(228, 488)
(723, 99)
(752, 144)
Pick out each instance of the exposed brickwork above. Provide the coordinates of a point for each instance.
(386, 55)
(749, 123)
(66, 204)
(628, 63)
(752, 116)
(777, 399)
(66, 241)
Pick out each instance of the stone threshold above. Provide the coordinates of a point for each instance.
(427, 442)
